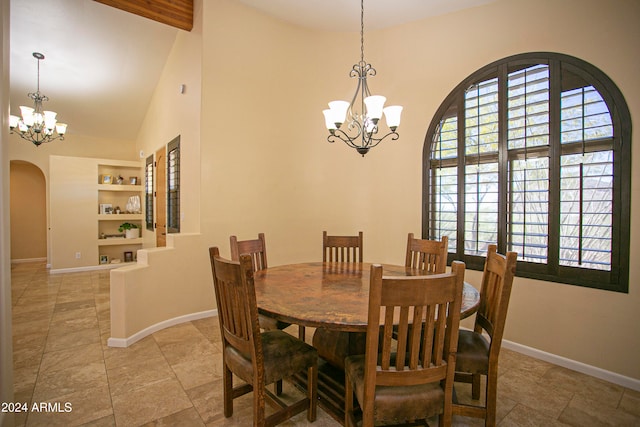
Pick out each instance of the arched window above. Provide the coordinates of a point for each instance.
(533, 152)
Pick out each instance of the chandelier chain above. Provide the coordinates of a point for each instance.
(38, 84)
(362, 31)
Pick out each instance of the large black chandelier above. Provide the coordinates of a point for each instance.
(36, 125)
(356, 123)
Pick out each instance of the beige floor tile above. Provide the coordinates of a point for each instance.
(583, 412)
(523, 416)
(142, 350)
(61, 324)
(630, 402)
(207, 400)
(34, 339)
(86, 406)
(71, 358)
(52, 384)
(137, 374)
(523, 387)
(524, 364)
(186, 418)
(72, 318)
(152, 402)
(196, 372)
(177, 334)
(61, 339)
(104, 326)
(27, 358)
(108, 421)
(75, 305)
(209, 327)
(24, 379)
(189, 351)
(184, 343)
(34, 309)
(583, 385)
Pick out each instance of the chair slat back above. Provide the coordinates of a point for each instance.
(426, 310)
(497, 280)
(427, 255)
(256, 248)
(236, 301)
(342, 248)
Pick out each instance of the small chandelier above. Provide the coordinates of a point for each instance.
(36, 125)
(363, 114)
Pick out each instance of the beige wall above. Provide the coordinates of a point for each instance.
(164, 288)
(73, 145)
(6, 343)
(28, 212)
(74, 207)
(268, 167)
(172, 113)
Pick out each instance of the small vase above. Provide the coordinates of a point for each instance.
(132, 233)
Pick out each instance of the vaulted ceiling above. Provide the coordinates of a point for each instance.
(102, 64)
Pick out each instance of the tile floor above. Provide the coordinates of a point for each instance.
(173, 378)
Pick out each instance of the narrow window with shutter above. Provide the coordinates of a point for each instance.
(148, 193)
(173, 186)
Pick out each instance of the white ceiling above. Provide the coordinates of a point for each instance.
(344, 15)
(102, 64)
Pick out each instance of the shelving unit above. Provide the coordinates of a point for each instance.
(117, 195)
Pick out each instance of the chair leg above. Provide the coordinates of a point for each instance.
(491, 400)
(259, 418)
(277, 387)
(301, 333)
(475, 387)
(312, 392)
(348, 403)
(228, 392)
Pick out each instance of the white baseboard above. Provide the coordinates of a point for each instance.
(89, 268)
(27, 260)
(126, 342)
(612, 377)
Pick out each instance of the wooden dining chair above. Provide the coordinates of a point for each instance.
(427, 255)
(334, 346)
(411, 379)
(341, 248)
(478, 356)
(258, 358)
(257, 250)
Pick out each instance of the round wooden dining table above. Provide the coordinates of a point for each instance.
(333, 297)
(329, 295)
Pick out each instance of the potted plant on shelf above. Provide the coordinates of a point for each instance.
(131, 230)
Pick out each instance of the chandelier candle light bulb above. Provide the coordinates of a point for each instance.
(35, 125)
(361, 130)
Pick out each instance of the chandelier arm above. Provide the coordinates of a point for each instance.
(37, 138)
(355, 116)
(344, 137)
(371, 141)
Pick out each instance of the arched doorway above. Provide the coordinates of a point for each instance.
(28, 212)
